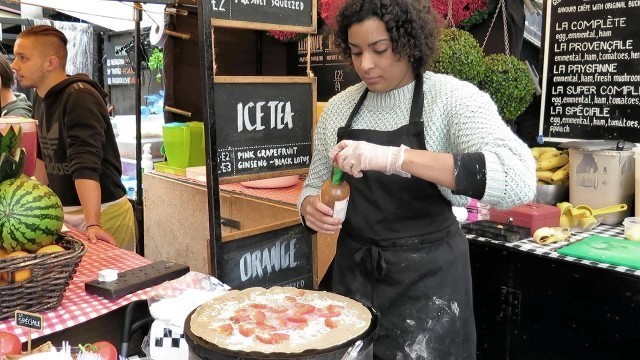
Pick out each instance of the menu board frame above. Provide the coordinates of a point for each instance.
(208, 19)
(234, 15)
(589, 46)
(259, 146)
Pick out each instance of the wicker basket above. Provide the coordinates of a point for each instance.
(50, 276)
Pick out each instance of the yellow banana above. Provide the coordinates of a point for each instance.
(543, 150)
(561, 173)
(553, 163)
(544, 175)
(549, 154)
(535, 152)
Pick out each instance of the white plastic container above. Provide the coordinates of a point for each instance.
(632, 228)
(146, 163)
(601, 176)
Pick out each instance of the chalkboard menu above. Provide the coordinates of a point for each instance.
(119, 69)
(291, 15)
(333, 73)
(591, 74)
(275, 258)
(263, 124)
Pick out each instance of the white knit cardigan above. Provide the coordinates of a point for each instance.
(458, 118)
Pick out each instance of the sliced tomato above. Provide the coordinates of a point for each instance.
(246, 330)
(299, 326)
(265, 328)
(259, 306)
(225, 329)
(278, 309)
(240, 318)
(329, 314)
(297, 319)
(277, 322)
(302, 308)
(259, 317)
(280, 337)
(334, 308)
(331, 323)
(273, 338)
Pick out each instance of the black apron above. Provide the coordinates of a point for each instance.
(401, 251)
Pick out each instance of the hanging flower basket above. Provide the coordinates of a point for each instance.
(465, 13)
(286, 36)
(509, 84)
(460, 56)
(329, 10)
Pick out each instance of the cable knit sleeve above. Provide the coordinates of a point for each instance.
(323, 141)
(325, 137)
(474, 125)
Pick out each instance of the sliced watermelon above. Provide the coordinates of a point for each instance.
(12, 164)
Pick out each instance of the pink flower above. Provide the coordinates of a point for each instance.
(286, 36)
(461, 9)
(329, 10)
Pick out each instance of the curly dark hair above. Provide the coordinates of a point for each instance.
(6, 73)
(412, 26)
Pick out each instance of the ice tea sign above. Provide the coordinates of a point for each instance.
(591, 75)
(291, 15)
(263, 125)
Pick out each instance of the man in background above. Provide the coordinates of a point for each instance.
(77, 143)
(11, 103)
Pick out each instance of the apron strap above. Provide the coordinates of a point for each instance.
(417, 101)
(373, 260)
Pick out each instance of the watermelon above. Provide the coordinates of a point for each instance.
(30, 215)
(12, 156)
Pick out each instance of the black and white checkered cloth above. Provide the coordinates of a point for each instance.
(530, 246)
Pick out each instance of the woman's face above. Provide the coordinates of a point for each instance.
(373, 58)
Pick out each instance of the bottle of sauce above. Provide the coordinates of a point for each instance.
(335, 193)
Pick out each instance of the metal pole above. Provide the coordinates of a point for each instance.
(205, 13)
(139, 208)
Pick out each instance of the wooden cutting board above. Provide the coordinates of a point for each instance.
(609, 250)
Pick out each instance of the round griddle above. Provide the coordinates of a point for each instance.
(208, 351)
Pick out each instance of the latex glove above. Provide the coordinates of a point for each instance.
(354, 157)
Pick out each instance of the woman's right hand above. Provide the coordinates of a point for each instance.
(319, 216)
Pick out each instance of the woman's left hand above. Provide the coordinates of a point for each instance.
(353, 157)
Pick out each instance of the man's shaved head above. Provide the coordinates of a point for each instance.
(51, 41)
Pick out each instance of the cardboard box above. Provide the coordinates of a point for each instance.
(531, 215)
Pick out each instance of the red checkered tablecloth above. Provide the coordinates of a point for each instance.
(78, 306)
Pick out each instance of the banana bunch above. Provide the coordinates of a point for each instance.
(552, 165)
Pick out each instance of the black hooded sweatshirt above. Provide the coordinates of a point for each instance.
(76, 139)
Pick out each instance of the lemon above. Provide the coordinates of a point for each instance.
(20, 275)
(50, 249)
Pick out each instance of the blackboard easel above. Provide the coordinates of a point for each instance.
(247, 16)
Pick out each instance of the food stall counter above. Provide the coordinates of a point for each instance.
(77, 305)
(531, 302)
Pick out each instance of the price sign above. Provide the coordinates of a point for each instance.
(29, 320)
